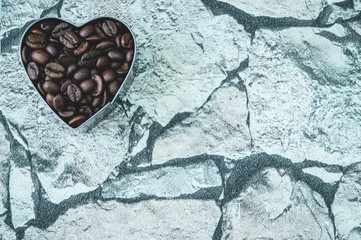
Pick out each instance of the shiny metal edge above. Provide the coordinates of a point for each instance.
(104, 111)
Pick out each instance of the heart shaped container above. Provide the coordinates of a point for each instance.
(104, 111)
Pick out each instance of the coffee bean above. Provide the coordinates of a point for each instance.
(59, 29)
(81, 74)
(113, 87)
(86, 31)
(102, 62)
(118, 41)
(83, 47)
(86, 111)
(71, 69)
(52, 49)
(36, 41)
(49, 99)
(47, 26)
(93, 72)
(129, 56)
(105, 45)
(105, 98)
(124, 69)
(54, 70)
(96, 102)
(116, 55)
(33, 71)
(59, 102)
(87, 86)
(64, 86)
(74, 93)
(90, 58)
(51, 86)
(40, 56)
(98, 85)
(38, 31)
(108, 75)
(116, 65)
(47, 78)
(109, 28)
(69, 39)
(25, 54)
(99, 30)
(127, 41)
(66, 59)
(41, 90)
(94, 38)
(68, 112)
(77, 121)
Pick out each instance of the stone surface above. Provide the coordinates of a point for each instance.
(326, 176)
(167, 182)
(346, 206)
(178, 219)
(6, 233)
(273, 206)
(219, 127)
(5, 139)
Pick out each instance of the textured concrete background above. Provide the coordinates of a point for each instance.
(243, 122)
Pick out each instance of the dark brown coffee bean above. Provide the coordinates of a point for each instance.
(68, 112)
(66, 59)
(69, 39)
(124, 69)
(33, 71)
(108, 75)
(127, 41)
(54, 70)
(51, 86)
(77, 121)
(83, 47)
(47, 26)
(116, 55)
(65, 85)
(102, 62)
(96, 110)
(106, 98)
(120, 79)
(109, 28)
(67, 50)
(99, 30)
(49, 99)
(90, 58)
(52, 49)
(129, 56)
(36, 41)
(86, 31)
(40, 56)
(71, 69)
(41, 90)
(118, 41)
(113, 88)
(74, 93)
(54, 40)
(47, 78)
(96, 102)
(87, 86)
(94, 72)
(105, 45)
(38, 31)
(81, 74)
(25, 54)
(59, 29)
(116, 65)
(86, 111)
(99, 85)
(59, 102)
(94, 38)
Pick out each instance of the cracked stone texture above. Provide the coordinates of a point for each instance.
(346, 206)
(177, 219)
(273, 206)
(193, 112)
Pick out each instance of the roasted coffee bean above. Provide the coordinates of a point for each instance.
(129, 56)
(74, 93)
(65, 85)
(86, 111)
(93, 72)
(54, 40)
(113, 87)
(118, 41)
(81, 74)
(47, 78)
(127, 41)
(38, 31)
(99, 85)
(94, 38)
(96, 110)
(69, 39)
(54, 70)
(116, 65)
(66, 59)
(120, 79)
(36, 41)
(59, 102)
(90, 58)
(87, 85)
(77, 121)
(124, 69)
(25, 54)
(99, 30)
(109, 28)
(102, 62)
(68, 112)
(40, 56)
(116, 55)
(49, 99)
(70, 70)
(83, 47)
(52, 49)
(33, 71)
(105, 45)
(96, 102)
(47, 26)
(106, 98)
(86, 31)
(59, 29)
(108, 75)
(51, 86)
(41, 90)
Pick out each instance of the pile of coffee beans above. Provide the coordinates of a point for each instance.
(77, 70)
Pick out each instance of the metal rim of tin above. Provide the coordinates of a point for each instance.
(81, 126)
